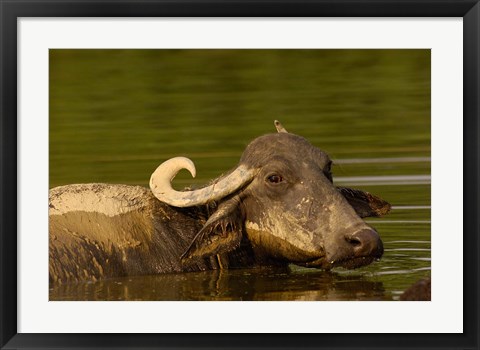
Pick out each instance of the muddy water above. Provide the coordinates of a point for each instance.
(116, 114)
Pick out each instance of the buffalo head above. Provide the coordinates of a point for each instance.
(282, 198)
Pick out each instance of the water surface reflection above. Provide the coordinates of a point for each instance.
(258, 284)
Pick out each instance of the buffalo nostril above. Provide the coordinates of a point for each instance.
(354, 241)
(366, 243)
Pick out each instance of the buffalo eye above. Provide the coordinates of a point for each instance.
(274, 179)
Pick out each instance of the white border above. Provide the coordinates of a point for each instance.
(444, 36)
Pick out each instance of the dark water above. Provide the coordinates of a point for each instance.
(116, 114)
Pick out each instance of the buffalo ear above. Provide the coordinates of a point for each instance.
(364, 203)
(221, 233)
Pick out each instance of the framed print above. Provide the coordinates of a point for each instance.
(247, 175)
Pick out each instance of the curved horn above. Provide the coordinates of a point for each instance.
(160, 184)
(280, 127)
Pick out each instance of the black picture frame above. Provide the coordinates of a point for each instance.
(11, 10)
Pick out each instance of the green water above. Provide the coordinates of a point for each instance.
(115, 115)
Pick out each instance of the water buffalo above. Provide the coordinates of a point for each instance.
(278, 206)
